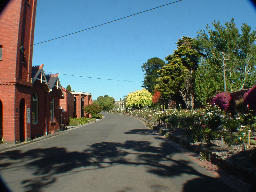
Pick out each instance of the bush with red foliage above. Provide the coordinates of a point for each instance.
(250, 98)
(223, 100)
(156, 97)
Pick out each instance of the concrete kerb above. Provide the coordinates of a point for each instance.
(6, 147)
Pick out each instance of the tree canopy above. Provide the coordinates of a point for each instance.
(229, 59)
(106, 102)
(150, 68)
(176, 79)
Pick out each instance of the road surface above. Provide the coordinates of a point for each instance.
(116, 154)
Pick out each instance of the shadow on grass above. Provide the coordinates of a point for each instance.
(48, 164)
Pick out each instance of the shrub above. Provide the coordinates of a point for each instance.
(139, 99)
(156, 97)
(250, 98)
(78, 121)
(93, 109)
(223, 100)
(97, 116)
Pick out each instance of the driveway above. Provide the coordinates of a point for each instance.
(117, 154)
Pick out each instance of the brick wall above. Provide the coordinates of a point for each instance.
(67, 104)
(15, 83)
(87, 100)
(54, 125)
(41, 90)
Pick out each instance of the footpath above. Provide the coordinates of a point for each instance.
(10, 146)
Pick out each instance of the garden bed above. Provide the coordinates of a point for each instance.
(233, 158)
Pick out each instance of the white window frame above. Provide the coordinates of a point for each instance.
(52, 109)
(35, 101)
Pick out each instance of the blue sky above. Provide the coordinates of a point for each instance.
(117, 51)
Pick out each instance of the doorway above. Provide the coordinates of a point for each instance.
(22, 120)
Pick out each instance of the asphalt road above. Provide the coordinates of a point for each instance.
(117, 154)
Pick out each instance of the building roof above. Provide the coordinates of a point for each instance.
(38, 73)
(53, 80)
(80, 93)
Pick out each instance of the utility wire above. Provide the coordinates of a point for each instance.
(99, 78)
(108, 22)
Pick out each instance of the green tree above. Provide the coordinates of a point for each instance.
(229, 58)
(138, 99)
(106, 102)
(150, 68)
(177, 78)
(170, 81)
(68, 88)
(93, 109)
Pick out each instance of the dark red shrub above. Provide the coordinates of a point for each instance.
(250, 98)
(223, 100)
(156, 97)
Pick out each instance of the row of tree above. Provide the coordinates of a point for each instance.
(221, 58)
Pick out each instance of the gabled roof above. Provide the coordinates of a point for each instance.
(38, 74)
(53, 80)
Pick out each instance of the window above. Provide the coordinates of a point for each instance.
(1, 52)
(52, 109)
(34, 109)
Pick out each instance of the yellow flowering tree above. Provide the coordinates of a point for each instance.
(139, 99)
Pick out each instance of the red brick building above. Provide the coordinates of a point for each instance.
(45, 108)
(17, 21)
(81, 100)
(67, 106)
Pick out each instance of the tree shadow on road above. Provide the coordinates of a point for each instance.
(47, 164)
(141, 132)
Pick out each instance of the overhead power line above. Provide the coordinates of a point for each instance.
(108, 22)
(98, 78)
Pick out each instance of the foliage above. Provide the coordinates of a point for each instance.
(150, 68)
(106, 102)
(177, 78)
(97, 116)
(223, 100)
(156, 97)
(207, 83)
(68, 88)
(201, 125)
(78, 121)
(93, 109)
(139, 99)
(250, 98)
(229, 56)
(171, 78)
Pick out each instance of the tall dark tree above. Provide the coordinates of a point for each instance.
(68, 88)
(150, 68)
(177, 78)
